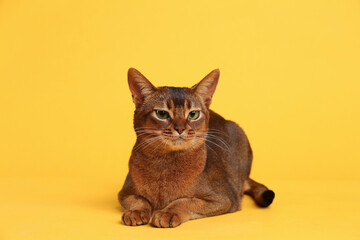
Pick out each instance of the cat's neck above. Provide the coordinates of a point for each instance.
(161, 158)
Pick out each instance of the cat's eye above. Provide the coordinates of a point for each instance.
(193, 115)
(162, 114)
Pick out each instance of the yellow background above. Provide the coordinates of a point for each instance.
(289, 76)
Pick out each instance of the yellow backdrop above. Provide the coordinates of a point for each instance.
(289, 76)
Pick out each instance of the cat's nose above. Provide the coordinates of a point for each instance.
(180, 129)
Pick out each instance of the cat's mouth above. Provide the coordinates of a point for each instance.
(179, 138)
(180, 142)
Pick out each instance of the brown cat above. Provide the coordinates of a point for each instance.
(188, 162)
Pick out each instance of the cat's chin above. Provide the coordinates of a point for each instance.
(181, 144)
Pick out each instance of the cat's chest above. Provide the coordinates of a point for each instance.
(161, 184)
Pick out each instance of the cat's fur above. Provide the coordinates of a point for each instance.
(182, 169)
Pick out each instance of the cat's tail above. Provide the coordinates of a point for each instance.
(259, 192)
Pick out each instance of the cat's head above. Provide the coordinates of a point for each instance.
(171, 118)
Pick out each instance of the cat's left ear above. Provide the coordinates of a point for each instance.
(140, 87)
(206, 87)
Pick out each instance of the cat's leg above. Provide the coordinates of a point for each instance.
(137, 210)
(185, 209)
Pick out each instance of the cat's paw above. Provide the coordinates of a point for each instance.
(135, 217)
(164, 219)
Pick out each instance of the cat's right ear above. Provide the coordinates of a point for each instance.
(140, 87)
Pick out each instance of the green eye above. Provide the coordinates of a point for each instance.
(162, 114)
(193, 115)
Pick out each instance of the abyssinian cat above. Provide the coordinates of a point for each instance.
(188, 162)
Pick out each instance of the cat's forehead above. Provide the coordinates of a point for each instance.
(176, 97)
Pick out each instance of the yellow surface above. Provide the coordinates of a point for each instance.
(289, 76)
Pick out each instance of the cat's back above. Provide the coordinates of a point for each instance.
(230, 137)
(228, 158)
(229, 130)
(228, 147)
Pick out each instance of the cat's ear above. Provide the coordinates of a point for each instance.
(140, 87)
(206, 87)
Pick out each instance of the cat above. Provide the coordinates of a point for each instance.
(188, 162)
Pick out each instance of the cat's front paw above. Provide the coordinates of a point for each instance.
(135, 217)
(165, 219)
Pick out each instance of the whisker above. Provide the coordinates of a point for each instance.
(207, 145)
(162, 143)
(148, 133)
(211, 149)
(226, 150)
(146, 143)
(220, 140)
(144, 132)
(212, 136)
(212, 130)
